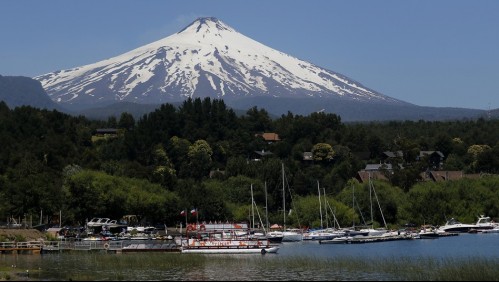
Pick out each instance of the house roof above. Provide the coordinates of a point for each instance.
(376, 175)
(443, 175)
(391, 154)
(371, 167)
(424, 153)
(446, 175)
(450, 175)
(270, 136)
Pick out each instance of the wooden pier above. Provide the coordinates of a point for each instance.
(33, 247)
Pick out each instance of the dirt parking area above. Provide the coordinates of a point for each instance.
(7, 234)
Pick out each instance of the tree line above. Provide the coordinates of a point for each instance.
(199, 155)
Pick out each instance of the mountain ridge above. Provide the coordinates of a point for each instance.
(32, 94)
(18, 91)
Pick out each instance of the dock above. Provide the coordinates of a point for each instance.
(374, 239)
(20, 247)
(368, 239)
(119, 246)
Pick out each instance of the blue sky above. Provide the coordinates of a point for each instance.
(441, 53)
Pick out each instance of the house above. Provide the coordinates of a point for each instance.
(444, 175)
(435, 158)
(104, 133)
(387, 156)
(378, 167)
(54, 232)
(375, 171)
(269, 137)
(363, 176)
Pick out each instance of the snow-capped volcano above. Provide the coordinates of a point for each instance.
(206, 59)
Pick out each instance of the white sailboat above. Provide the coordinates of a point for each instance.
(275, 238)
(288, 235)
(324, 233)
(372, 231)
(272, 236)
(353, 231)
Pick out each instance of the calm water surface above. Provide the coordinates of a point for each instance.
(294, 261)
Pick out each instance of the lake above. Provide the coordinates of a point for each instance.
(460, 257)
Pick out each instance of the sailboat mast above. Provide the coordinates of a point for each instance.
(283, 199)
(379, 206)
(266, 209)
(325, 206)
(371, 200)
(252, 208)
(320, 203)
(353, 205)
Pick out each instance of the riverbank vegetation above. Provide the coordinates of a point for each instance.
(202, 155)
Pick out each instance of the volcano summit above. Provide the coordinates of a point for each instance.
(205, 59)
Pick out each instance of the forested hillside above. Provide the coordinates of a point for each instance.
(202, 155)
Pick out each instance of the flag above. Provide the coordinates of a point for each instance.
(194, 211)
(182, 213)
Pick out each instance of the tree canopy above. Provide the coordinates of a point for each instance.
(200, 155)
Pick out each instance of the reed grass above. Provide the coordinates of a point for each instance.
(181, 267)
(399, 268)
(104, 266)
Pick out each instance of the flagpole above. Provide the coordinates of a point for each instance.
(197, 221)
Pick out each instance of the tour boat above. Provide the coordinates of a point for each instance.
(226, 246)
(203, 241)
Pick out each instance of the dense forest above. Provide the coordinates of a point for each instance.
(200, 155)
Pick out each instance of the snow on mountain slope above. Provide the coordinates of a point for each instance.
(206, 59)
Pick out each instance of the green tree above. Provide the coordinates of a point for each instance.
(322, 152)
(164, 171)
(126, 121)
(200, 159)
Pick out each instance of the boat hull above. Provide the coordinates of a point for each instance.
(458, 229)
(429, 235)
(228, 250)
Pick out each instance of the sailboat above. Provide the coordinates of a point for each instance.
(289, 235)
(371, 231)
(273, 238)
(323, 233)
(353, 231)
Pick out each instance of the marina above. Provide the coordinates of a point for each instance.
(349, 262)
(209, 241)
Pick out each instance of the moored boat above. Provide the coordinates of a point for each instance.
(485, 223)
(429, 232)
(219, 243)
(337, 240)
(454, 225)
(323, 234)
(493, 230)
